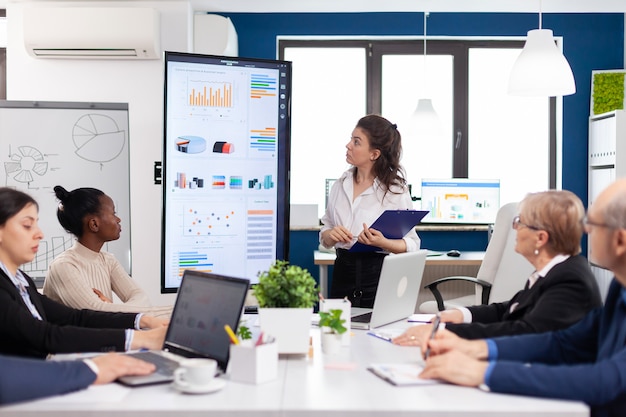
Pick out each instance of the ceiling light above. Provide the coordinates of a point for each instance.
(541, 69)
(425, 117)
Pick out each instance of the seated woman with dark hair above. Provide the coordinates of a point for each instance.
(84, 276)
(32, 324)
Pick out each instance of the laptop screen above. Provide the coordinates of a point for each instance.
(205, 303)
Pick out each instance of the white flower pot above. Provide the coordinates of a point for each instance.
(331, 343)
(290, 326)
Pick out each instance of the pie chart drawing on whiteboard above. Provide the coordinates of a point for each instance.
(98, 138)
(26, 164)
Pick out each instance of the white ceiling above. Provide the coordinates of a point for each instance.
(258, 6)
(277, 6)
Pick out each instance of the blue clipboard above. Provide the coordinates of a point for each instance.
(393, 224)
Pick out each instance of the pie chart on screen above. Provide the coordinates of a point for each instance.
(98, 138)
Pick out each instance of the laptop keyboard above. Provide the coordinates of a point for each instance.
(363, 318)
(164, 366)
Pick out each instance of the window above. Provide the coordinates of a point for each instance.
(483, 132)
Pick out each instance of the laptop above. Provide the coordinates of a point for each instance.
(396, 295)
(205, 303)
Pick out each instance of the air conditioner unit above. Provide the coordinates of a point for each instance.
(92, 32)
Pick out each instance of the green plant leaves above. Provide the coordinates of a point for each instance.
(332, 319)
(285, 285)
(608, 92)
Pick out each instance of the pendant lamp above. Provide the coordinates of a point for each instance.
(425, 117)
(541, 70)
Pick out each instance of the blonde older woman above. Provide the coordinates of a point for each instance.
(560, 292)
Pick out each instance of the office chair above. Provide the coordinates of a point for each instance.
(502, 273)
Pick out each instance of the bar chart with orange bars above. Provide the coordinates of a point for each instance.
(211, 95)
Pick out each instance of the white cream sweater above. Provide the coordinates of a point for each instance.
(74, 273)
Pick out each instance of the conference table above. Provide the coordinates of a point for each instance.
(434, 259)
(321, 385)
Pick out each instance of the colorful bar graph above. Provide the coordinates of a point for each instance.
(262, 85)
(263, 139)
(193, 260)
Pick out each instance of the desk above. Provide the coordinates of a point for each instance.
(472, 259)
(306, 387)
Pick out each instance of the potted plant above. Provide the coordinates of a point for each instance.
(331, 327)
(286, 295)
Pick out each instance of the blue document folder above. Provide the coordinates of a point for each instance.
(393, 224)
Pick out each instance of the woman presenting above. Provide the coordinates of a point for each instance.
(375, 183)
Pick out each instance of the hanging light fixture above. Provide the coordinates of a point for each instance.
(425, 117)
(541, 69)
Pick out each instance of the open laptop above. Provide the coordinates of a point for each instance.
(205, 303)
(396, 296)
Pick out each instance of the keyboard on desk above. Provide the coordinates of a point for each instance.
(164, 366)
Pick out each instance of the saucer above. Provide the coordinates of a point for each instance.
(215, 385)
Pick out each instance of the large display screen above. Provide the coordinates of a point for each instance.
(226, 165)
(460, 200)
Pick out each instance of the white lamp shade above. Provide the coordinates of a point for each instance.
(541, 69)
(425, 119)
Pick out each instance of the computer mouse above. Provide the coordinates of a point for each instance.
(455, 253)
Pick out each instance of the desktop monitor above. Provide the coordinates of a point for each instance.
(225, 165)
(460, 200)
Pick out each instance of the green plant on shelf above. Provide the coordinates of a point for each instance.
(332, 320)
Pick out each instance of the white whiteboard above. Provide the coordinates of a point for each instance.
(44, 144)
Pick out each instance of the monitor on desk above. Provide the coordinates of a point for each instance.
(460, 200)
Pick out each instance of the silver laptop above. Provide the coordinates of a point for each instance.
(205, 303)
(396, 296)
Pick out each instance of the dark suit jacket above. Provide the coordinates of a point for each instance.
(26, 379)
(561, 298)
(62, 330)
(585, 362)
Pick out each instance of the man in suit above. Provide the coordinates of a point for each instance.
(560, 292)
(585, 362)
(26, 379)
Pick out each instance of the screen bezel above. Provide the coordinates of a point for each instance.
(283, 149)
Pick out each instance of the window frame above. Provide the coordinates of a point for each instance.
(459, 49)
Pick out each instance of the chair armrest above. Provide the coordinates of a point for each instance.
(440, 305)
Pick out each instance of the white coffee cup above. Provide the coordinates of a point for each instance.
(195, 373)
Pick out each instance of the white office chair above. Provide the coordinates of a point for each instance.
(502, 273)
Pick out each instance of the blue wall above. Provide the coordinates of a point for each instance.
(590, 41)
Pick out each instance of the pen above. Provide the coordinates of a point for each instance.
(432, 334)
(231, 334)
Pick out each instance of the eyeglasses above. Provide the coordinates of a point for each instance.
(517, 223)
(589, 224)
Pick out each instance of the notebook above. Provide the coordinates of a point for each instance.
(396, 295)
(205, 303)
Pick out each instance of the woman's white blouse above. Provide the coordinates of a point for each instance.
(366, 208)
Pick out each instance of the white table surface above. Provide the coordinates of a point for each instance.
(307, 387)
